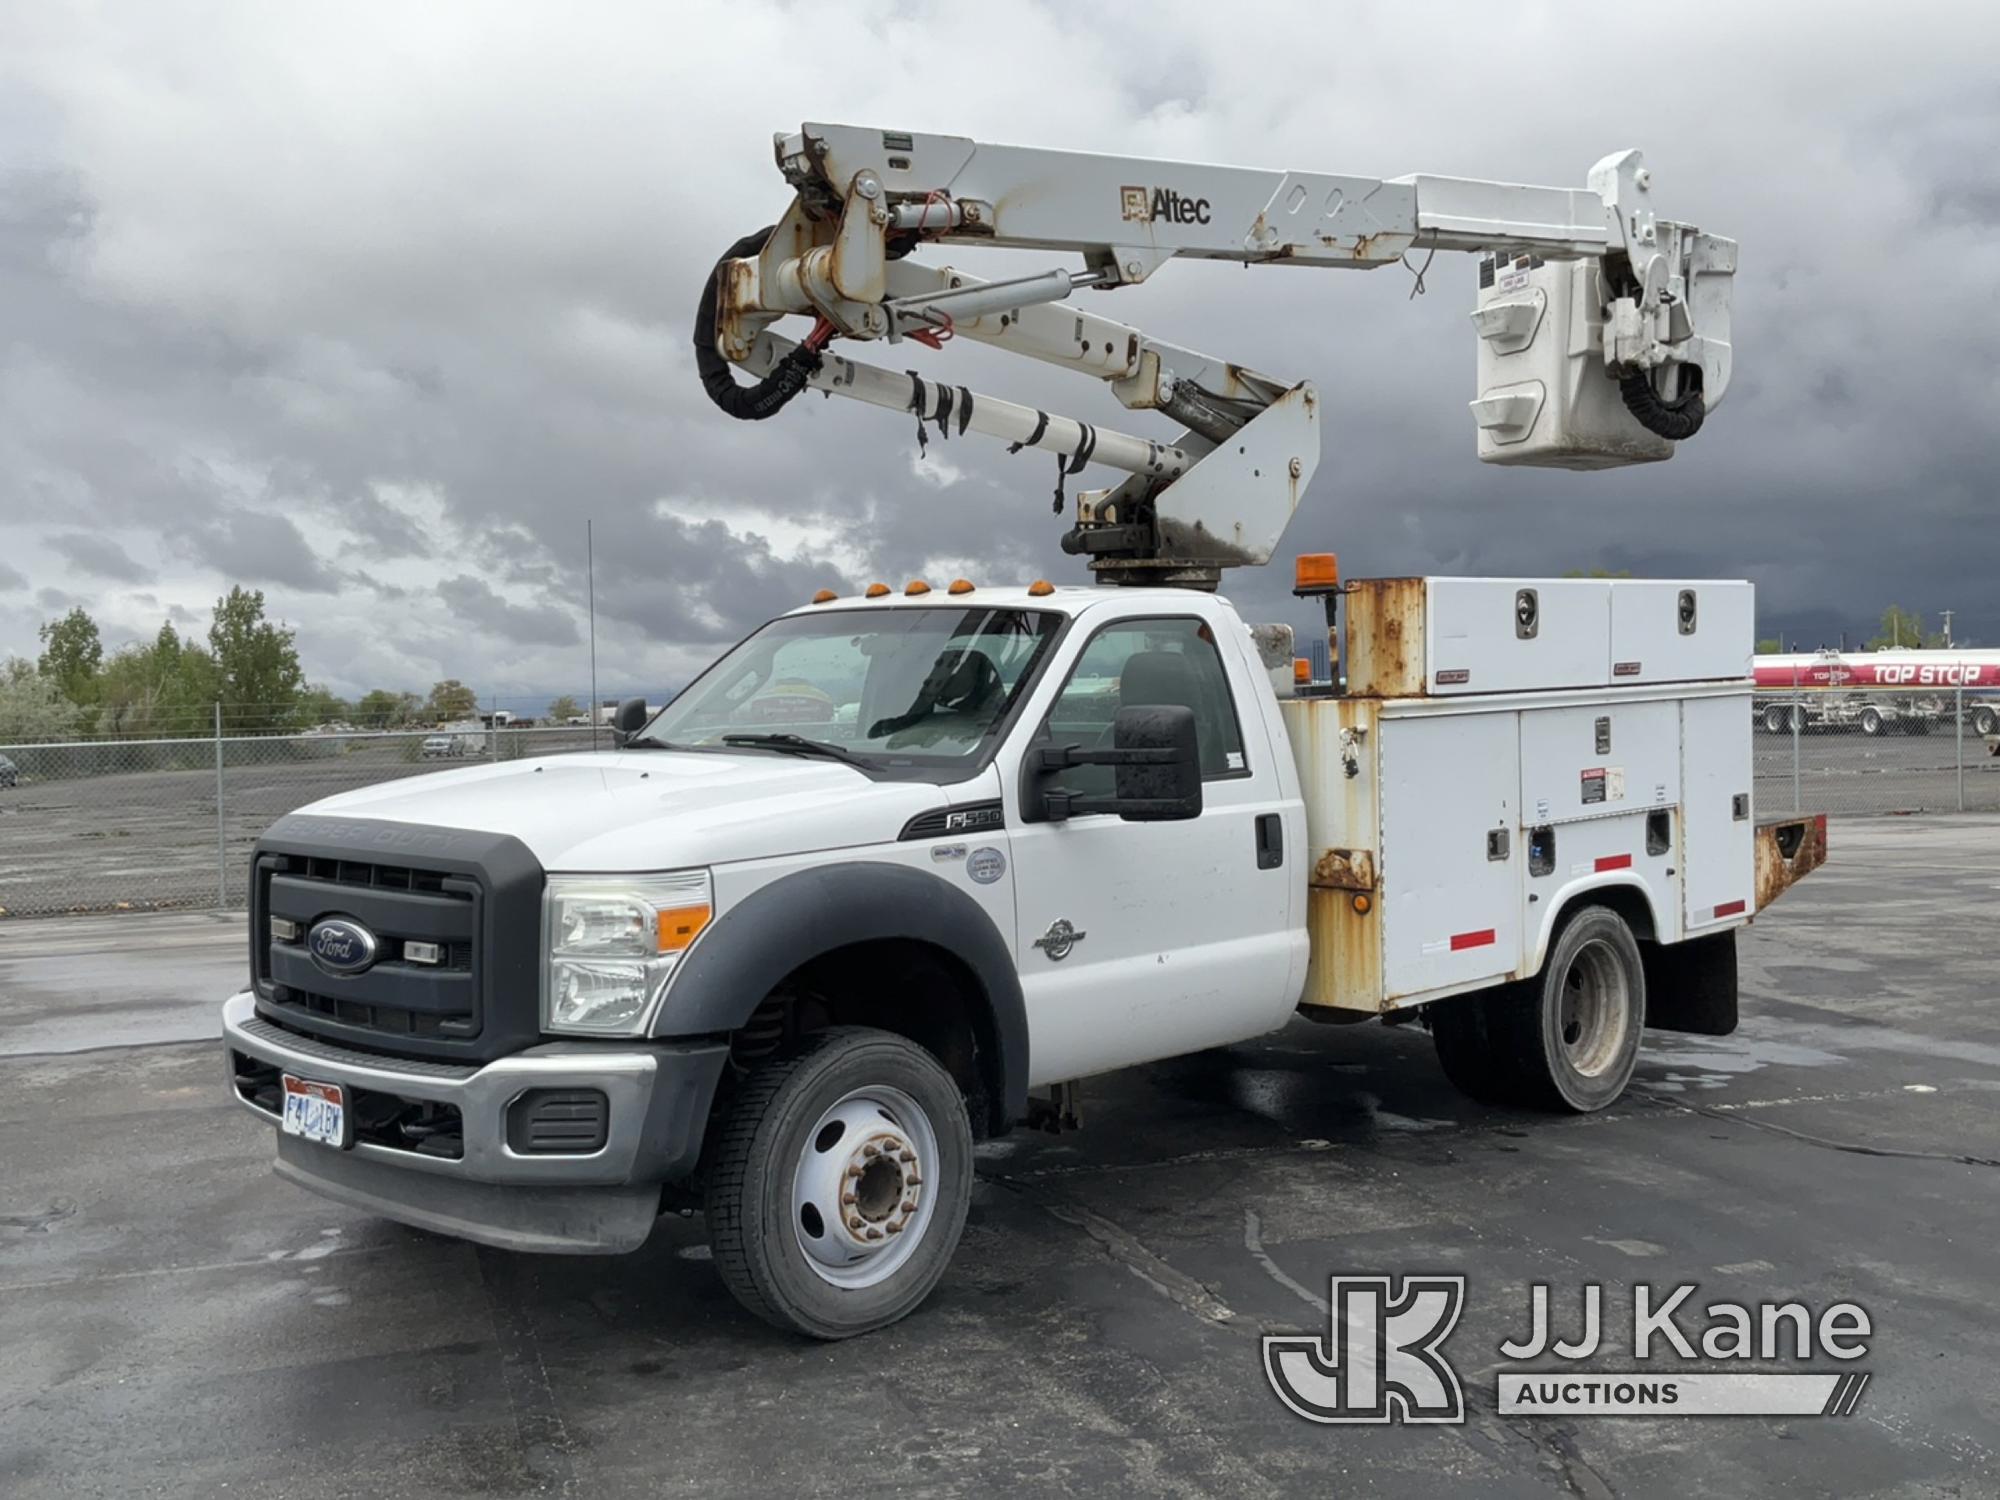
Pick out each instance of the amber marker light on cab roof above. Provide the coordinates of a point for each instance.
(825, 596)
(877, 590)
(960, 586)
(917, 586)
(1302, 669)
(1041, 588)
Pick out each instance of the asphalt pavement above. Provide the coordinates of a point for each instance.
(178, 1322)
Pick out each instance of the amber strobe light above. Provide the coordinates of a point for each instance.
(1316, 573)
(1302, 670)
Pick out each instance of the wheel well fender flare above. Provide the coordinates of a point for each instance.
(1624, 890)
(797, 918)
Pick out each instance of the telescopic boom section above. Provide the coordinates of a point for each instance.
(1603, 330)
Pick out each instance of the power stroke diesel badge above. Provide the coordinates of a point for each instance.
(1059, 939)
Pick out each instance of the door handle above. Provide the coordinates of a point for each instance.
(1270, 841)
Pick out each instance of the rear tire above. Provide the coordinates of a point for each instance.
(1566, 1040)
(1985, 721)
(1774, 719)
(1871, 721)
(840, 1182)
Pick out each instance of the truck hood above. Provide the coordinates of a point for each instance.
(652, 809)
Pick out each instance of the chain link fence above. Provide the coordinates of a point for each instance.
(1914, 750)
(146, 823)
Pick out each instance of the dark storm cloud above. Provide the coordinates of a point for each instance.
(254, 547)
(319, 345)
(11, 580)
(477, 605)
(97, 555)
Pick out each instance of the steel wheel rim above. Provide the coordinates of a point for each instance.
(1595, 1013)
(865, 1181)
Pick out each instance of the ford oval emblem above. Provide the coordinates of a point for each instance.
(340, 946)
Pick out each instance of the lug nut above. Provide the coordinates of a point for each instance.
(874, 1234)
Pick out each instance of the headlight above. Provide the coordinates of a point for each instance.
(609, 943)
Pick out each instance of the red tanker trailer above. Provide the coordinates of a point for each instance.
(1879, 691)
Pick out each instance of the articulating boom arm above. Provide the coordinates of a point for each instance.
(1604, 330)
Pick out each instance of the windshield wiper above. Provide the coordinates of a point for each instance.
(795, 744)
(647, 742)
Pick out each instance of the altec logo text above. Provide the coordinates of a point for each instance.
(1382, 1358)
(1145, 205)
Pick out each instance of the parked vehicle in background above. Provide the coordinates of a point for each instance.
(1878, 692)
(9, 773)
(442, 747)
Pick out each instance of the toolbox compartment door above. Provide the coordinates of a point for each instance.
(1719, 875)
(1451, 901)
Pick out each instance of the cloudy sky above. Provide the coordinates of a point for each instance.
(370, 306)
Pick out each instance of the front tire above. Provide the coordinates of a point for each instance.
(1566, 1040)
(1871, 721)
(840, 1182)
(1985, 721)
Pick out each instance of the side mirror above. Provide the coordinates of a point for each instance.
(1156, 764)
(628, 719)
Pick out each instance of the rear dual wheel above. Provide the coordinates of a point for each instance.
(1566, 1040)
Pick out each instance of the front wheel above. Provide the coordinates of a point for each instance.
(1871, 721)
(1565, 1040)
(1985, 721)
(840, 1183)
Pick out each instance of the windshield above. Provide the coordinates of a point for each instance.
(889, 686)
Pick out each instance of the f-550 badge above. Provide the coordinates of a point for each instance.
(1059, 939)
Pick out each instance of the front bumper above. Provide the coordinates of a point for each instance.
(605, 1201)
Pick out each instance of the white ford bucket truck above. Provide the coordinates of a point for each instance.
(899, 869)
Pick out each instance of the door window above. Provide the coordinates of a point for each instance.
(1145, 663)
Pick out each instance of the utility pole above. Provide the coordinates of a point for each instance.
(590, 585)
(1947, 629)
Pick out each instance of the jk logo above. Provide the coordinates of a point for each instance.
(1379, 1362)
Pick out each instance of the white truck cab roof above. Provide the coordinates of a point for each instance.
(1068, 599)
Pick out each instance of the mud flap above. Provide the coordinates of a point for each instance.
(1691, 986)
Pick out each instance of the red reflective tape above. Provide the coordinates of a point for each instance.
(1614, 862)
(1479, 939)
(1731, 908)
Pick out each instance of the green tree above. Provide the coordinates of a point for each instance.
(451, 699)
(258, 676)
(563, 710)
(1902, 627)
(381, 709)
(1770, 645)
(72, 652)
(318, 704)
(1597, 573)
(33, 706)
(158, 690)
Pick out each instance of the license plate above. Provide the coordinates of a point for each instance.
(316, 1111)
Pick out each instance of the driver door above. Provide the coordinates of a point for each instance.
(1141, 940)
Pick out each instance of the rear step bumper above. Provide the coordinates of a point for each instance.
(1788, 850)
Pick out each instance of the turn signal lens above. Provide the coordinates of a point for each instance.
(877, 590)
(1316, 570)
(1362, 905)
(681, 925)
(825, 596)
(917, 586)
(1041, 588)
(1302, 670)
(960, 586)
